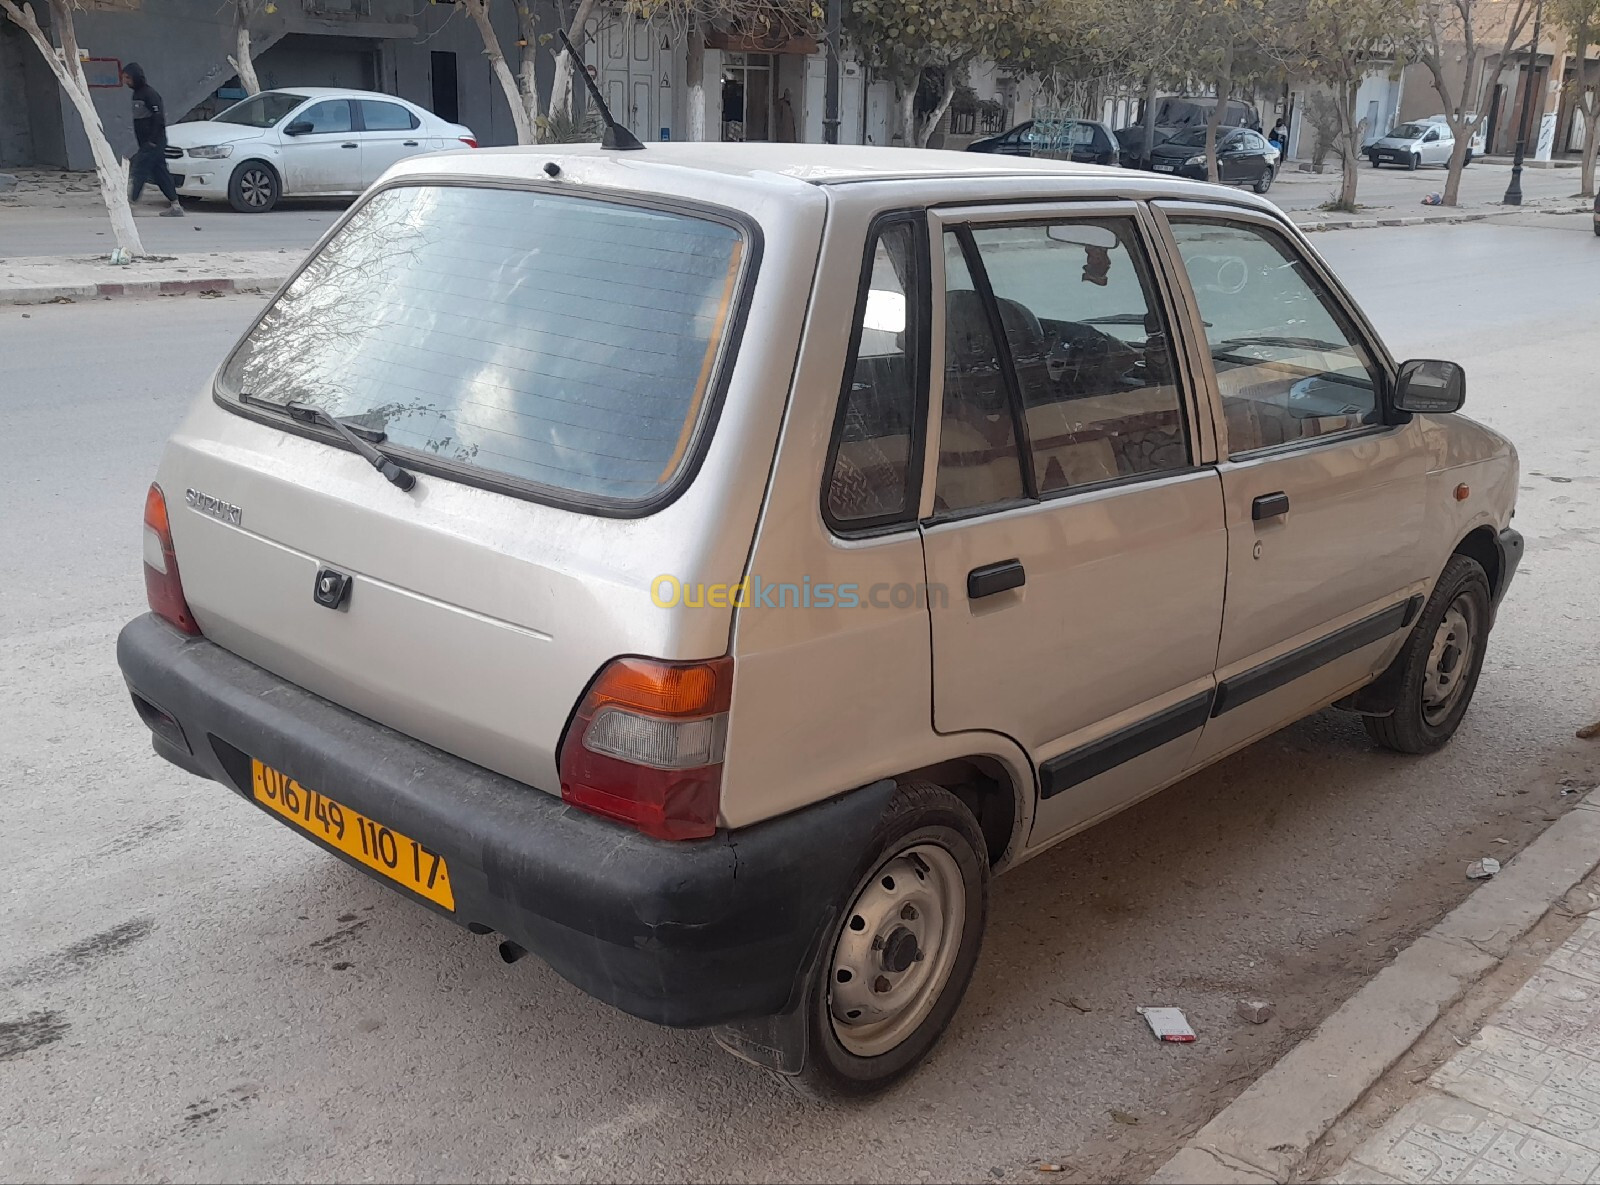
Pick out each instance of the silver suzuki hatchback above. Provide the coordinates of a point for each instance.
(706, 566)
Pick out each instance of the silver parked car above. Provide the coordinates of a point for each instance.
(1421, 142)
(706, 566)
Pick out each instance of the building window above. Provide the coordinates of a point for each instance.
(747, 96)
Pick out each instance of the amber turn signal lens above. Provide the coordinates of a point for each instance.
(1463, 492)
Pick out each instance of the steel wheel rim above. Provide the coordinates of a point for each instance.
(1449, 660)
(255, 187)
(896, 949)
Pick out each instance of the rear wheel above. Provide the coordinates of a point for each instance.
(902, 956)
(1440, 662)
(1264, 182)
(253, 188)
(1466, 160)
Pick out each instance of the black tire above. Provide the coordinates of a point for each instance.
(1416, 161)
(1264, 182)
(920, 815)
(1375, 163)
(254, 187)
(1418, 725)
(1466, 160)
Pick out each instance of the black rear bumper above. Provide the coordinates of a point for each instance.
(688, 934)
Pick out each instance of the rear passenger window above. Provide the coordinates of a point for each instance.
(979, 463)
(1090, 347)
(874, 473)
(386, 117)
(1289, 365)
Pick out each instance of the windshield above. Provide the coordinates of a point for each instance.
(261, 111)
(566, 342)
(1409, 131)
(1193, 138)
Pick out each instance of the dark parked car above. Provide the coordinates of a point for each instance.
(1243, 157)
(1174, 113)
(1083, 140)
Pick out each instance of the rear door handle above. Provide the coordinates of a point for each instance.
(349, 146)
(995, 578)
(411, 144)
(1269, 506)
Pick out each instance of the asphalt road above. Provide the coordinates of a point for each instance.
(64, 215)
(190, 992)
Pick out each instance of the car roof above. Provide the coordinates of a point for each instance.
(788, 165)
(337, 92)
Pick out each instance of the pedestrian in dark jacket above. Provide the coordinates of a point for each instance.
(149, 161)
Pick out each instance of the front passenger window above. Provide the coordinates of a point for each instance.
(330, 116)
(1290, 366)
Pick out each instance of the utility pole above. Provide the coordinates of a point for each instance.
(1514, 190)
(830, 93)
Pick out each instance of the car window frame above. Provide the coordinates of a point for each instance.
(919, 298)
(468, 475)
(360, 111)
(1346, 312)
(1198, 425)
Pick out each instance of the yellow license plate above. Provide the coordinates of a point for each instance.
(382, 849)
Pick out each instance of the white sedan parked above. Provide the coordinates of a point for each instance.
(309, 141)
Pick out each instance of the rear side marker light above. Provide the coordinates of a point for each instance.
(162, 585)
(646, 743)
(468, 141)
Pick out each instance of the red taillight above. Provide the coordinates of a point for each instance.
(645, 745)
(468, 141)
(161, 583)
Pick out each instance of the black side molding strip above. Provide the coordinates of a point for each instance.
(1088, 761)
(1286, 668)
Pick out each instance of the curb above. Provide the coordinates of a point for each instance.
(1266, 1134)
(47, 293)
(1408, 220)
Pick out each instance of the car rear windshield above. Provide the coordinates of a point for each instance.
(562, 342)
(263, 110)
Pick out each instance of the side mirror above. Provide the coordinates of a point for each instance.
(1428, 385)
(299, 127)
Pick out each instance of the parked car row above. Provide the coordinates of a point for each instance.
(309, 141)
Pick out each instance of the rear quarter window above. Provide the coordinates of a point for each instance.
(565, 346)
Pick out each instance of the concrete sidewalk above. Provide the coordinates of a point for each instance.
(46, 279)
(1520, 1103)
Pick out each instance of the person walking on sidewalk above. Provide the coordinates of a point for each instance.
(149, 162)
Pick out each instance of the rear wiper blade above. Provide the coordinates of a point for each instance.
(358, 438)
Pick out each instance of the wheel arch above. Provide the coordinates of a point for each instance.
(1479, 544)
(994, 787)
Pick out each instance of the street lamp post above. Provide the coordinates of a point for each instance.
(830, 92)
(1514, 190)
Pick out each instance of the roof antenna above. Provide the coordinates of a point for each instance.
(616, 136)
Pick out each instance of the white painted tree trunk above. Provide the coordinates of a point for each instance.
(243, 60)
(695, 76)
(561, 87)
(908, 113)
(479, 11)
(111, 172)
(946, 96)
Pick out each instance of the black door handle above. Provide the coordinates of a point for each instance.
(1269, 506)
(411, 144)
(349, 146)
(995, 578)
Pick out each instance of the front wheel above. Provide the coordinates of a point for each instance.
(1416, 161)
(253, 188)
(902, 956)
(1466, 160)
(1440, 662)
(1264, 182)
(1374, 161)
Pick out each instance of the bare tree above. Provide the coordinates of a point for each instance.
(1581, 19)
(243, 59)
(1444, 26)
(66, 65)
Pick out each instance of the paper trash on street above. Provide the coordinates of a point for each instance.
(1168, 1024)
